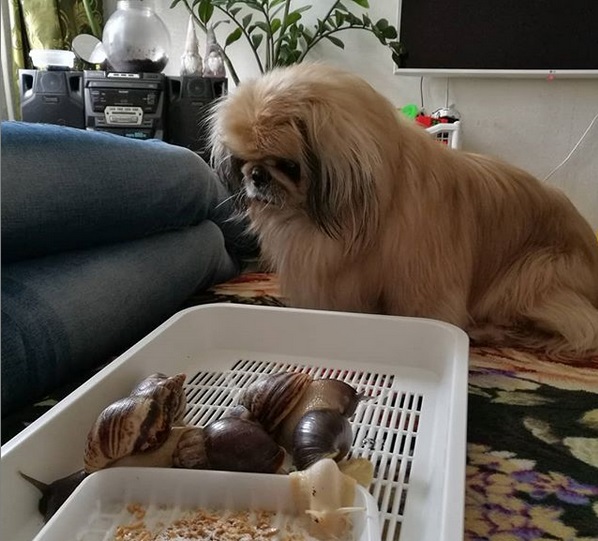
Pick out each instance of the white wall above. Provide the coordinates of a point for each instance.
(532, 123)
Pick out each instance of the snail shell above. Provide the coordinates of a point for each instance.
(271, 399)
(167, 390)
(130, 425)
(281, 403)
(235, 444)
(321, 434)
(231, 444)
(321, 394)
(137, 423)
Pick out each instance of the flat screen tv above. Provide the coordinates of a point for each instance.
(519, 38)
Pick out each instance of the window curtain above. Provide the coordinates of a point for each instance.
(48, 24)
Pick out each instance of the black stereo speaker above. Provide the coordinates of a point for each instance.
(52, 97)
(189, 101)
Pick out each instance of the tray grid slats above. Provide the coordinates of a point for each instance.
(385, 424)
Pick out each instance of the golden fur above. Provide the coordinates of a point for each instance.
(358, 209)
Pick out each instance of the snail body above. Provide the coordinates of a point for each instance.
(55, 494)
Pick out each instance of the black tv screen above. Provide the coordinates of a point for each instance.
(520, 37)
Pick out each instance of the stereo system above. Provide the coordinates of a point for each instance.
(129, 104)
(134, 105)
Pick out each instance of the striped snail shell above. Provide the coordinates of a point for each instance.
(129, 425)
(271, 399)
(168, 390)
(138, 423)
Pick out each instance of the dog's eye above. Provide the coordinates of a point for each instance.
(290, 169)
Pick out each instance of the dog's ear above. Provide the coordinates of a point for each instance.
(226, 166)
(342, 198)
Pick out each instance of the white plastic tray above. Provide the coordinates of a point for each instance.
(99, 505)
(413, 428)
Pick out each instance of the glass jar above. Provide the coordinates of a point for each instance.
(135, 39)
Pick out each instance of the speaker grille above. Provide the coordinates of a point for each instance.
(52, 97)
(190, 100)
(51, 82)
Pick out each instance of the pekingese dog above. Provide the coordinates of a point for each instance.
(358, 209)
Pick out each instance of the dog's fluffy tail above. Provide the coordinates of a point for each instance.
(564, 323)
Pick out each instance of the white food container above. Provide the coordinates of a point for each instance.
(52, 58)
(99, 504)
(413, 426)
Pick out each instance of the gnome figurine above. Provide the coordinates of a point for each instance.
(214, 63)
(191, 61)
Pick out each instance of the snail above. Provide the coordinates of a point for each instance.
(55, 493)
(308, 417)
(326, 495)
(138, 423)
(289, 410)
(138, 431)
(160, 396)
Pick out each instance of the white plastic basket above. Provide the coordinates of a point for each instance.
(413, 428)
(448, 134)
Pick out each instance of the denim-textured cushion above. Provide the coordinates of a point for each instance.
(64, 314)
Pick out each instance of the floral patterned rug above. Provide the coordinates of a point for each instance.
(532, 452)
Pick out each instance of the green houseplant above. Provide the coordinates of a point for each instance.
(275, 32)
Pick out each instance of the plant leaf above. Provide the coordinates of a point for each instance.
(218, 23)
(205, 10)
(256, 40)
(336, 41)
(398, 59)
(301, 9)
(391, 33)
(263, 26)
(293, 17)
(339, 17)
(275, 24)
(397, 47)
(175, 3)
(362, 3)
(233, 36)
(246, 20)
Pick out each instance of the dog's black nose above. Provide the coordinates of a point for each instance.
(259, 175)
